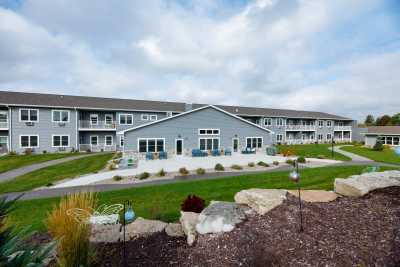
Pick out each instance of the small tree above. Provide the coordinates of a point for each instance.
(385, 120)
(369, 120)
(378, 145)
(396, 119)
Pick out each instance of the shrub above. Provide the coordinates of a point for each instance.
(28, 151)
(219, 167)
(276, 163)
(112, 166)
(44, 151)
(49, 184)
(289, 161)
(12, 153)
(143, 175)
(67, 223)
(378, 146)
(236, 167)
(251, 164)
(193, 203)
(262, 163)
(301, 159)
(200, 171)
(286, 152)
(183, 171)
(386, 147)
(117, 178)
(161, 173)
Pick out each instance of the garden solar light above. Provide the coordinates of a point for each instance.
(295, 176)
(129, 216)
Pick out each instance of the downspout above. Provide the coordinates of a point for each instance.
(9, 129)
(77, 129)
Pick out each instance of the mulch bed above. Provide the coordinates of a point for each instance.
(346, 232)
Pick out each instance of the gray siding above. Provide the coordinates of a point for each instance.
(186, 127)
(137, 119)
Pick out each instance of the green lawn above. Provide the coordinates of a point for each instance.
(47, 175)
(386, 155)
(163, 201)
(314, 151)
(10, 162)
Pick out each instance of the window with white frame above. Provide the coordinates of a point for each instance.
(108, 119)
(144, 117)
(125, 119)
(280, 122)
(320, 124)
(208, 131)
(109, 140)
(121, 141)
(60, 140)
(94, 140)
(328, 123)
(151, 145)
(29, 115)
(208, 143)
(94, 119)
(279, 137)
(3, 116)
(29, 141)
(153, 117)
(169, 113)
(267, 122)
(320, 137)
(329, 137)
(254, 142)
(60, 115)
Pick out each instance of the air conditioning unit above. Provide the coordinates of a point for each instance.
(61, 124)
(29, 123)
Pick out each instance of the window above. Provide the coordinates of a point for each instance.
(396, 141)
(208, 131)
(320, 124)
(108, 119)
(3, 116)
(208, 143)
(60, 116)
(29, 141)
(60, 140)
(29, 115)
(169, 113)
(320, 137)
(153, 117)
(121, 140)
(279, 138)
(94, 140)
(267, 121)
(109, 140)
(94, 119)
(329, 137)
(389, 140)
(254, 142)
(280, 122)
(151, 144)
(328, 123)
(144, 117)
(125, 119)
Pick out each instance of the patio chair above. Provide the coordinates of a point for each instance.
(228, 152)
(271, 151)
(149, 156)
(163, 155)
(198, 153)
(249, 150)
(215, 152)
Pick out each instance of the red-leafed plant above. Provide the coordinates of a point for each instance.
(193, 203)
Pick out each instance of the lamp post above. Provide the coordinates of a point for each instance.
(333, 142)
(295, 176)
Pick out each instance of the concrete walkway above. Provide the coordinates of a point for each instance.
(6, 176)
(354, 157)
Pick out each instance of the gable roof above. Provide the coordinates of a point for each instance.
(86, 102)
(271, 112)
(192, 111)
(391, 130)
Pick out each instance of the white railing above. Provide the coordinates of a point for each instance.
(342, 128)
(300, 127)
(99, 125)
(4, 125)
(342, 140)
(299, 141)
(97, 148)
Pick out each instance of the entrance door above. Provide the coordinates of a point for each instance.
(235, 144)
(179, 146)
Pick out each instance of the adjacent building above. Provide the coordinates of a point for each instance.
(48, 122)
(388, 135)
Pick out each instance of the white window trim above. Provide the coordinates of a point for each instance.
(147, 144)
(183, 145)
(283, 122)
(29, 139)
(126, 119)
(90, 140)
(262, 140)
(328, 139)
(270, 121)
(6, 113)
(327, 122)
(105, 119)
(105, 140)
(144, 115)
(281, 135)
(121, 137)
(94, 116)
(60, 135)
(206, 129)
(153, 117)
(60, 110)
(207, 138)
(169, 113)
(320, 123)
(29, 114)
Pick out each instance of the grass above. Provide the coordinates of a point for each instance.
(387, 155)
(314, 151)
(10, 162)
(166, 199)
(55, 173)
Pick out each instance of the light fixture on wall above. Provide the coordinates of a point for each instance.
(179, 136)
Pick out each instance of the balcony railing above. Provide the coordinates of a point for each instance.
(4, 125)
(342, 128)
(300, 141)
(99, 125)
(300, 127)
(97, 148)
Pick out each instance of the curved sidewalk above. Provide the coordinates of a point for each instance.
(354, 157)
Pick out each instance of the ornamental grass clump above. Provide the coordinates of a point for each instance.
(200, 171)
(301, 159)
(262, 164)
(183, 171)
(143, 175)
(251, 164)
(236, 167)
(219, 167)
(193, 203)
(68, 224)
(161, 173)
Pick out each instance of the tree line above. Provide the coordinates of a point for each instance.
(385, 120)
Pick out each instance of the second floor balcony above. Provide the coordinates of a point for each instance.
(3, 124)
(342, 128)
(99, 125)
(299, 127)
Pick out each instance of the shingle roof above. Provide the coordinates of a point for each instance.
(36, 99)
(252, 111)
(384, 130)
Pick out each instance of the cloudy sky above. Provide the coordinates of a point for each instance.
(340, 56)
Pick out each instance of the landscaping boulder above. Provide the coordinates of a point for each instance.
(359, 185)
(188, 222)
(261, 200)
(314, 195)
(220, 217)
(143, 227)
(174, 229)
(106, 233)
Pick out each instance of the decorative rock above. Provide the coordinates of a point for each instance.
(105, 233)
(314, 195)
(188, 222)
(174, 229)
(359, 185)
(143, 227)
(261, 200)
(220, 217)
